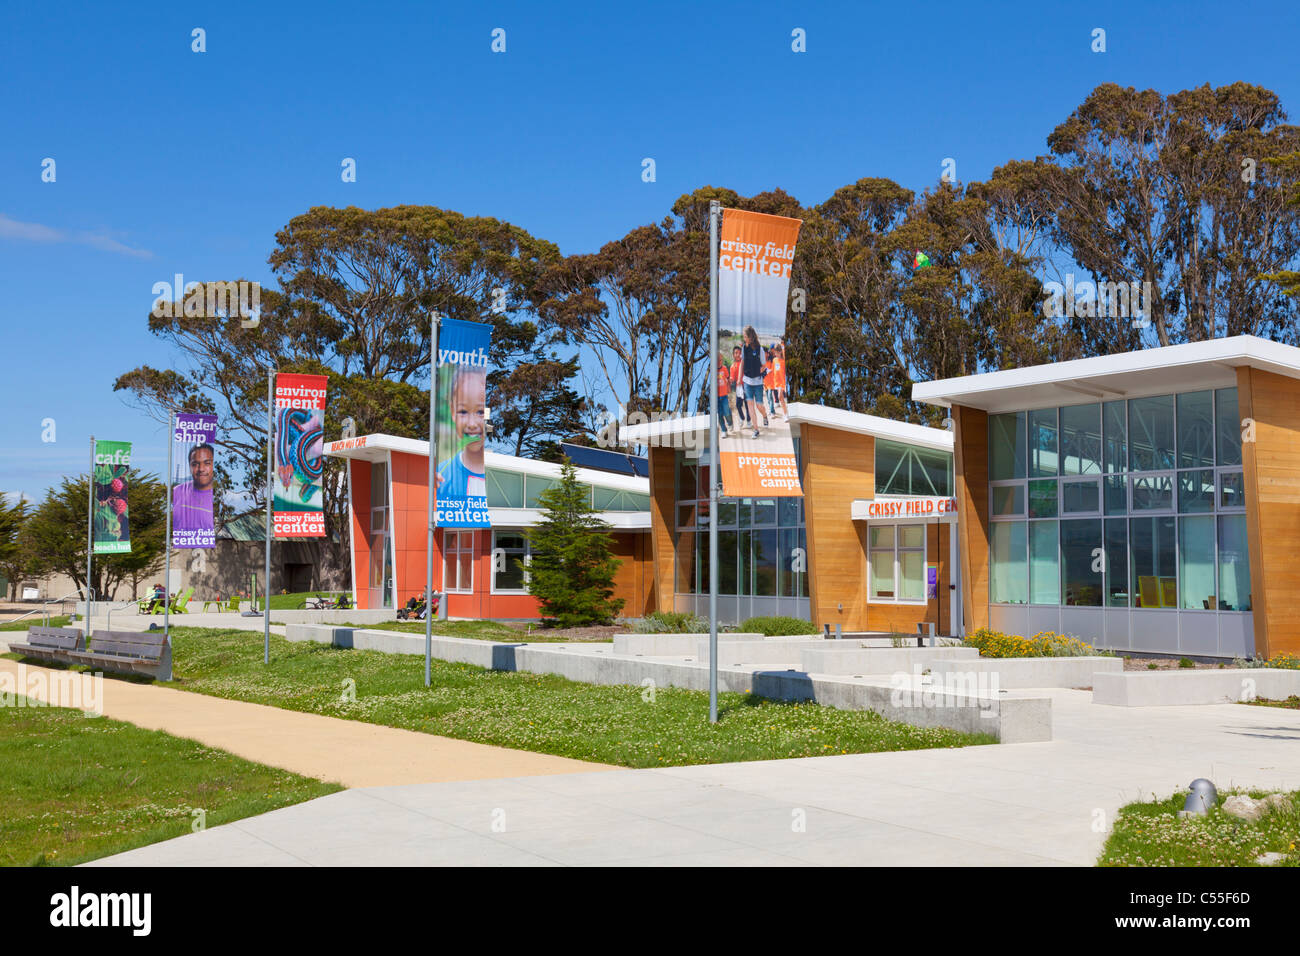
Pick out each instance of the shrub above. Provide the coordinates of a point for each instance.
(1186, 662)
(991, 643)
(778, 626)
(670, 622)
(1285, 661)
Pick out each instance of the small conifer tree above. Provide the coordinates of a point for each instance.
(572, 571)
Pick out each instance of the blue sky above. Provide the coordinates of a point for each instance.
(174, 161)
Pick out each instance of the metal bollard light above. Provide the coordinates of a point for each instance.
(1203, 796)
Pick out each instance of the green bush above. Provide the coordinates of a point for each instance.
(670, 622)
(777, 626)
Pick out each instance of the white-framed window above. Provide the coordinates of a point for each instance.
(896, 563)
(457, 561)
(510, 559)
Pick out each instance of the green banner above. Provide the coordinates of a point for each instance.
(112, 533)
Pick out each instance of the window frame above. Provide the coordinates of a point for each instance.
(895, 551)
(526, 551)
(457, 551)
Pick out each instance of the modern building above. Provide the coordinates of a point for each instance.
(870, 546)
(483, 572)
(1146, 501)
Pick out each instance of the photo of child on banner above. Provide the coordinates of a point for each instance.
(192, 481)
(111, 532)
(756, 448)
(461, 494)
(298, 503)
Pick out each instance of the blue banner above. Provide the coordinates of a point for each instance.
(461, 494)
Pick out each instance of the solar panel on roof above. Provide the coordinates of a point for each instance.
(602, 459)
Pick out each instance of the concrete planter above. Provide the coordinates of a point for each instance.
(1013, 672)
(1171, 688)
(849, 657)
(670, 645)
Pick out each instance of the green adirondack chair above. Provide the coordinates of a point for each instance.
(178, 605)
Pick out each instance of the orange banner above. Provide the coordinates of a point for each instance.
(755, 257)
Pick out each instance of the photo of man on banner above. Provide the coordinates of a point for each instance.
(192, 499)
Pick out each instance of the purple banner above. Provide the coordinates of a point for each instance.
(194, 458)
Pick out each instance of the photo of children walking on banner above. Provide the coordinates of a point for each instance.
(756, 447)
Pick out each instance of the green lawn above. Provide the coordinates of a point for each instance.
(25, 623)
(1152, 834)
(75, 788)
(537, 712)
(291, 602)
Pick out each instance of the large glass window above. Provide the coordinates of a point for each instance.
(1115, 437)
(1234, 564)
(505, 489)
(1081, 440)
(1081, 562)
(1196, 570)
(793, 562)
(1042, 499)
(1152, 492)
(534, 485)
(509, 561)
(1195, 491)
(1008, 499)
(1117, 593)
(1081, 496)
(1153, 578)
(1196, 430)
(765, 563)
(911, 470)
(1228, 427)
(1151, 433)
(1006, 446)
(1044, 456)
(1008, 563)
(1044, 569)
(1168, 475)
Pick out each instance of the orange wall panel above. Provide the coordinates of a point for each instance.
(838, 467)
(1272, 475)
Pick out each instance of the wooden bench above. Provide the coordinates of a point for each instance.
(128, 652)
(49, 643)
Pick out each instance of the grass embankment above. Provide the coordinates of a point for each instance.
(76, 788)
(622, 725)
(1152, 834)
(27, 622)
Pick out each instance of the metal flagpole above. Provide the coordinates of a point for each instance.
(715, 461)
(433, 475)
(90, 531)
(167, 542)
(270, 493)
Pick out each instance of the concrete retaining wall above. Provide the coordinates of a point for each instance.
(845, 657)
(1011, 720)
(1035, 671)
(1169, 688)
(671, 645)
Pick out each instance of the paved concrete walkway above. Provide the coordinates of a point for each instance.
(1040, 804)
(349, 752)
